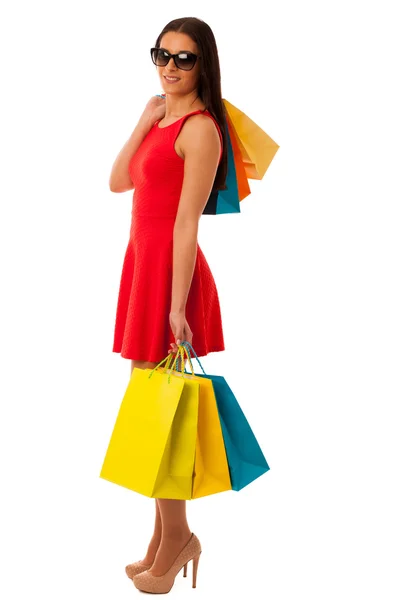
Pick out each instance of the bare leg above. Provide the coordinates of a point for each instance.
(156, 538)
(175, 534)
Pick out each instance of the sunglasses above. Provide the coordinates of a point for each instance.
(183, 60)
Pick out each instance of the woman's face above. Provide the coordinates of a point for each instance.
(188, 80)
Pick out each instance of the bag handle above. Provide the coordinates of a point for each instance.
(181, 360)
(189, 345)
(184, 346)
(179, 355)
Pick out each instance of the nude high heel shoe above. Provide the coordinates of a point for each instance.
(146, 582)
(136, 568)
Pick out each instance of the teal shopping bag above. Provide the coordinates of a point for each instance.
(225, 201)
(245, 458)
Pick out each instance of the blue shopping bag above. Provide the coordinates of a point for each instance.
(245, 458)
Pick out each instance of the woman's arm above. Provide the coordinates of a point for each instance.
(120, 180)
(200, 145)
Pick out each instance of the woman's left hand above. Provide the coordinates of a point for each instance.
(180, 329)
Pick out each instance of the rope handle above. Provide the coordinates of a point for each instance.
(188, 345)
(183, 351)
(187, 357)
(179, 360)
(180, 355)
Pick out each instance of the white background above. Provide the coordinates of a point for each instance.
(308, 278)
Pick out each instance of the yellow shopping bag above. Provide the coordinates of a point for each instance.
(211, 471)
(153, 443)
(257, 148)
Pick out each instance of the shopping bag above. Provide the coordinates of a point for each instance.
(153, 443)
(245, 457)
(256, 146)
(211, 470)
(237, 187)
(250, 151)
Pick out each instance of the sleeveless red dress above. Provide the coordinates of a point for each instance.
(142, 329)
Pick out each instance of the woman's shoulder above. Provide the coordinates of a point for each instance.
(201, 126)
(204, 124)
(201, 121)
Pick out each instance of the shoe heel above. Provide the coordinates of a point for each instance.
(195, 567)
(185, 570)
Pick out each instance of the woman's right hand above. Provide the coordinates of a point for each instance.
(154, 109)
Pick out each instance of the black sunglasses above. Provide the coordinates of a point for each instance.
(183, 60)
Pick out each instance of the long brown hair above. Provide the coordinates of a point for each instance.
(209, 87)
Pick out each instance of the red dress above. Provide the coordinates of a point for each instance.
(142, 329)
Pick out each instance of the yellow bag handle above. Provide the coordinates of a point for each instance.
(182, 350)
(188, 357)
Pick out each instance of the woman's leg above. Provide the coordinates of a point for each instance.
(175, 534)
(156, 538)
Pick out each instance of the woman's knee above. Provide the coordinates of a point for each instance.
(142, 364)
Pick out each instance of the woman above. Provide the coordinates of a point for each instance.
(173, 160)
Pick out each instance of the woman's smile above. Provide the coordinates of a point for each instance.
(171, 79)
